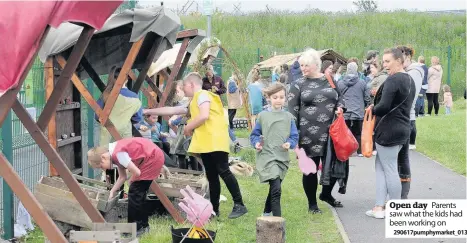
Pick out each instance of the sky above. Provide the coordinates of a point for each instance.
(329, 5)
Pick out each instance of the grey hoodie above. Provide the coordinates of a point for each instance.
(416, 72)
(356, 95)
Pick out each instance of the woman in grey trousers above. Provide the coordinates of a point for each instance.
(392, 106)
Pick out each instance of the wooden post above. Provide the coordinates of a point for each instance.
(270, 230)
(52, 126)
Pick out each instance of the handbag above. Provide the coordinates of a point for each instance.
(344, 141)
(367, 133)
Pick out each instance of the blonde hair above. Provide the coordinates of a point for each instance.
(274, 88)
(309, 57)
(434, 60)
(421, 59)
(194, 76)
(277, 70)
(95, 156)
(446, 88)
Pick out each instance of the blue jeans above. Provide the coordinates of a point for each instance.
(448, 110)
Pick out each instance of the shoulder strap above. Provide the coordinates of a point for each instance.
(328, 77)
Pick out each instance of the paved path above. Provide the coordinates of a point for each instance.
(429, 181)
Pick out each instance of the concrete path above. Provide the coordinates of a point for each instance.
(430, 180)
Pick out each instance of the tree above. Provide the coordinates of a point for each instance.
(366, 5)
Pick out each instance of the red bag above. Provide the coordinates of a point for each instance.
(344, 142)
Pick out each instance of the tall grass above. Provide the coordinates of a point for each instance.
(349, 34)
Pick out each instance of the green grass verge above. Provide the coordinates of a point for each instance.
(442, 137)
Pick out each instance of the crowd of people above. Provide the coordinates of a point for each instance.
(294, 110)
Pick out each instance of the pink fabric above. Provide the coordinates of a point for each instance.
(306, 164)
(22, 24)
(198, 209)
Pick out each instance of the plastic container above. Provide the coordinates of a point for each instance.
(177, 236)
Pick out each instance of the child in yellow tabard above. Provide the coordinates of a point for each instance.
(208, 127)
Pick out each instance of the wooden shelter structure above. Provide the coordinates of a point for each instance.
(139, 36)
(289, 59)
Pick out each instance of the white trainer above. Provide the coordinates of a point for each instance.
(375, 214)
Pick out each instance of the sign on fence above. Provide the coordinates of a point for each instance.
(207, 7)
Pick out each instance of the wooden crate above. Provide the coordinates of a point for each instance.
(179, 179)
(61, 205)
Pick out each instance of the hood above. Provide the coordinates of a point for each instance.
(295, 68)
(437, 67)
(350, 80)
(416, 66)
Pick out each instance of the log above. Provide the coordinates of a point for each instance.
(270, 230)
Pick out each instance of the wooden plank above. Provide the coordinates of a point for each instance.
(166, 202)
(52, 126)
(67, 212)
(178, 170)
(64, 79)
(99, 236)
(68, 107)
(174, 72)
(92, 73)
(152, 85)
(179, 182)
(157, 48)
(110, 102)
(68, 141)
(57, 161)
(32, 205)
(93, 181)
(122, 227)
(63, 194)
(191, 33)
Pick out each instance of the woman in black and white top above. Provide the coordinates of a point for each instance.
(392, 106)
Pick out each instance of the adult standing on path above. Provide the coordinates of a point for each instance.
(435, 75)
(393, 103)
(416, 72)
(313, 102)
(420, 104)
(356, 95)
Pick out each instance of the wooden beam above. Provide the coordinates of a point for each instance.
(153, 54)
(166, 202)
(187, 34)
(75, 56)
(92, 74)
(88, 97)
(8, 98)
(175, 70)
(110, 102)
(52, 126)
(47, 225)
(152, 85)
(57, 161)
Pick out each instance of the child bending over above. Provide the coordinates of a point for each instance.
(273, 135)
(143, 159)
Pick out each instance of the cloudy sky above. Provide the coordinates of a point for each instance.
(326, 5)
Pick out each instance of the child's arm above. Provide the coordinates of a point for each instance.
(293, 138)
(166, 111)
(122, 177)
(256, 135)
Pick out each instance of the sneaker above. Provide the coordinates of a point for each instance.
(375, 214)
(238, 211)
(267, 214)
(237, 147)
(142, 231)
(412, 147)
(314, 210)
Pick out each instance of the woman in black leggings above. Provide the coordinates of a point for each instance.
(435, 75)
(433, 102)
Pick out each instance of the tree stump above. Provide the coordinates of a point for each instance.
(270, 230)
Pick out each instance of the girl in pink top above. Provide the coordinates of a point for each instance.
(447, 99)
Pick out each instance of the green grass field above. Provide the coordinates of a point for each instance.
(442, 137)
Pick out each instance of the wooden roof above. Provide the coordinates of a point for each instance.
(289, 59)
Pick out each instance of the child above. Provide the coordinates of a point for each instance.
(143, 159)
(272, 157)
(255, 94)
(208, 127)
(447, 99)
(150, 123)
